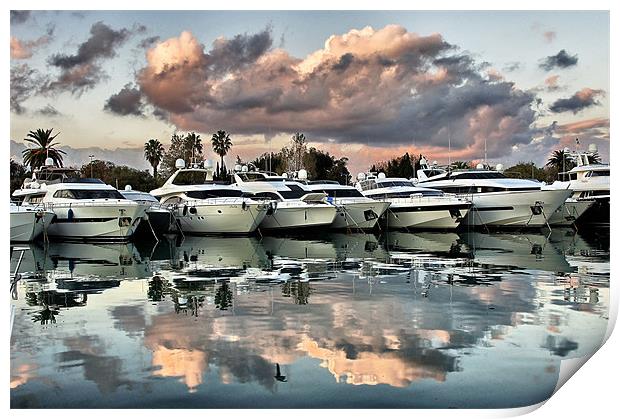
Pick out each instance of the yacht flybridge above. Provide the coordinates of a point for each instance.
(590, 186)
(293, 205)
(354, 210)
(84, 208)
(206, 207)
(412, 206)
(497, 200)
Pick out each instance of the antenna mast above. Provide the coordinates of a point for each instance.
(449, 147)
(485, 150)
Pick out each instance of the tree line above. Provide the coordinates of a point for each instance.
(296, 155)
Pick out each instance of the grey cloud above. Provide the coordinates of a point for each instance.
(82, 70)
(25, 82)
(49, 111)
(344, 62)
(19, 16)
(560, 60)
(148, 42)
(512, 66)
(102, 43)
(585, 98)
(231, 54)
(128, 101)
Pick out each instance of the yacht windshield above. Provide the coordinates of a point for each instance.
(216, 193)
(343, 193)
(477, 175)
(390, 183)
(194, 177)
(86, 194)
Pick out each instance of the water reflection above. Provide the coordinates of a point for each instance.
(338, 320)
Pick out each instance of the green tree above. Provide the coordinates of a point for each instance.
(187, 147)
(154, 153)
(17, 175)
(460, 165)
(192, 147)
(120, 176)
(221, 143)
(528, 170)
(44, 147)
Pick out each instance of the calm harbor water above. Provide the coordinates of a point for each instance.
(340, 320)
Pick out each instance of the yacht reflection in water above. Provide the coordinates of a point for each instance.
(331, 314)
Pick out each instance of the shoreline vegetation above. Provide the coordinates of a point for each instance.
(292, 157)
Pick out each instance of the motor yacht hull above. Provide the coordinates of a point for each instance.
(407, 213)
(159, 221)
(108, 220)
(218, 218)
(569, 212)
(358, 215)
(299, 216)
(27, 225)
(514, 208)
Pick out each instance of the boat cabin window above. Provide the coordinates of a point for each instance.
(573, 176)
(217, 193)
(35, 199)
(268, 195)
(477, 175)
(323, 182)
(259, 177)
(597, 173)
(137, 196)
(433, 172)
(86, 194)
(190, 178)
(391, 183)
(342, 193)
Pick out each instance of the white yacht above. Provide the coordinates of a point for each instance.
(28, 222)
(497, 200)
(160, 218)
(413, 206)
(203, 206)
(590, 186)
(294, 205)
(354, 210)
(84, 208)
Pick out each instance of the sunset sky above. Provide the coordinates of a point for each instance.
(366, 85)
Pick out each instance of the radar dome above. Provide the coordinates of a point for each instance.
(49, 161)
(244, 168)
(237, 167)
(480, 166)
(381, 175)
(302, 174)
(179, 163)
(499, 167)
(127, 187)
(361, 176)
(285, 175)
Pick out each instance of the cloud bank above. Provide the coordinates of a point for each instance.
(388, 87)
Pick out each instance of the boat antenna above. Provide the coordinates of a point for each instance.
(449, 146)
(485, 150)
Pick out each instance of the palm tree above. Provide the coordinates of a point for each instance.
(560, 161)
(221, 143)
(193, 144)
(154, 153)
(460, 165)
(45, 147)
